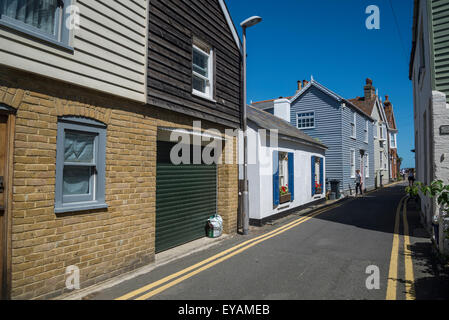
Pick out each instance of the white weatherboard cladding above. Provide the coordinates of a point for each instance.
(109, 50)
(357, 144)
(379, 171)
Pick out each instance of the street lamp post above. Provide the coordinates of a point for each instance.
(246, 24)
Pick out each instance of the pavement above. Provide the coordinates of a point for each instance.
(346, 251)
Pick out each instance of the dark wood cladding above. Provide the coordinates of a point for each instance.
(172, 26)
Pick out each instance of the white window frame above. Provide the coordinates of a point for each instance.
(352, 162)
(283, 169)
(354, 126)
(302, 116)
(375, 129)
(381, 132)
(381, 160)
(367, 131)
(209, 94)
(393, 141)
(367, 166)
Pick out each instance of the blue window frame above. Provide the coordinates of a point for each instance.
(80, 165)
(306, 120)
(42, 19)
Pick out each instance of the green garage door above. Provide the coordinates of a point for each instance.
(186, 196)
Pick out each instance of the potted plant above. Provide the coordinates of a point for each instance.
(285, 195)
(436, 190)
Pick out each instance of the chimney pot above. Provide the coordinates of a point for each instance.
(370, 91)
(299, 86)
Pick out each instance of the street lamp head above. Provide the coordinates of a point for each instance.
(251, 22)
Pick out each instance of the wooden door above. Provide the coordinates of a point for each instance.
(3, 161)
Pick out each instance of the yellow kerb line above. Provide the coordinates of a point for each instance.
(221, 254)
(409, 274)
(210, 265)
(393, 273)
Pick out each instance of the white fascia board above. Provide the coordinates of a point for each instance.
(231, 24)
(318, 86)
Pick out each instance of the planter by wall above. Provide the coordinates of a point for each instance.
(285, 198)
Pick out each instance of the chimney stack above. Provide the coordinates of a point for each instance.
(387, 104)
(299, 86)
(370, 91)
(305, 83)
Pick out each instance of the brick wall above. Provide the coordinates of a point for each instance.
(102, 243)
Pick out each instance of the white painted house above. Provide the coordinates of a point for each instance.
(429, 74)
(284, 174)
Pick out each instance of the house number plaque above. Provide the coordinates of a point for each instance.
(444, 130)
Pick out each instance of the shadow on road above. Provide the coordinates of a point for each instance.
(375, 211)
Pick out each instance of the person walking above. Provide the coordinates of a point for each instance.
(411, 178)
(358, 183)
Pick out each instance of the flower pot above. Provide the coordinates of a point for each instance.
(285, 198)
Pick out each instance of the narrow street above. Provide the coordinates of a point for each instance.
(322, 256)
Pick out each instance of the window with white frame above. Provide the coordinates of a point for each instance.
(393, 141)
(306, 120)
(367, 165)
(381, 132)
(375, 129)
(202, 69)
(381, 160)
(353, 126)
(352, 155)
(80, 165)
(283, 169)
(44, 19)
(366, 131)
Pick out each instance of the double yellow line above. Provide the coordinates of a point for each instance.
(157, 287)
(393, 273)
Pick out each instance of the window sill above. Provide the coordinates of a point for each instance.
(36, 36)
(81, 207)
(203, 96)
(354, 138)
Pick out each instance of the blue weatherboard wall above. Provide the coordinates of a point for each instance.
(327, 126)
(333, 128)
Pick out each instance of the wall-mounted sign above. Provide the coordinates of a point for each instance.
(444, 130)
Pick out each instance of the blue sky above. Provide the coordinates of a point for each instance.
(329, 40)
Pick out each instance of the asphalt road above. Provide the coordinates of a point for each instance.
(322, 258)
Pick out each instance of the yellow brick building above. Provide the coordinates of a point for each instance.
(42, 85)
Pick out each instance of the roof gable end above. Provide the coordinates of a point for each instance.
(231, 24)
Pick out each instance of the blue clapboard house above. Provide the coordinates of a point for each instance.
(345, 129)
